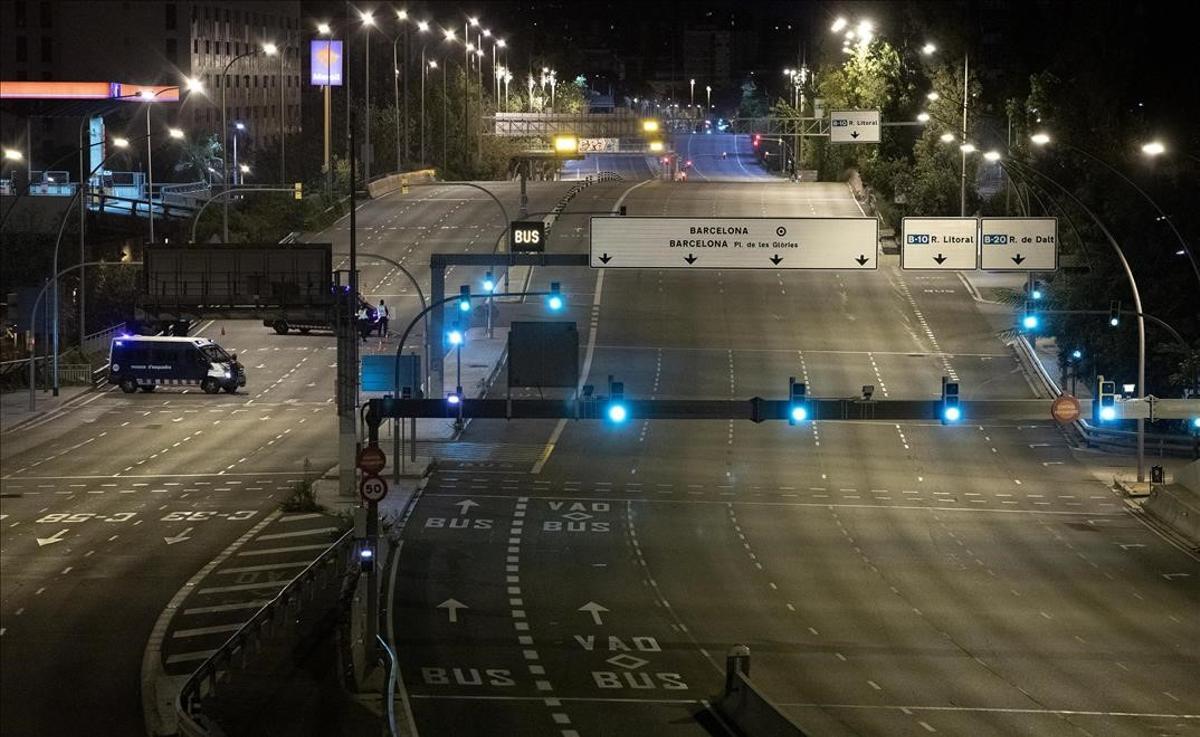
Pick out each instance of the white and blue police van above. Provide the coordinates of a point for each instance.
(149, 361)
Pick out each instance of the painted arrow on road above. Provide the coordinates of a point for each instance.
(465, 505)
(594, 609)
(940, 259)
(55, 538)
(776, 259)
(862, 259)
(452, 606)
(690, 259)
(179, 538)
(605, 258)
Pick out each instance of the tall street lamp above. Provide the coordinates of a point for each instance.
(368, 21)
(225, 132)
(238, 127)
(402, 17)
(425, 67)
(1043, 139)
(708, 91)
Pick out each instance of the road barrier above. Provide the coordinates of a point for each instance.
(387, 183)
(1160, 444)
(281, 617)
(743, 704)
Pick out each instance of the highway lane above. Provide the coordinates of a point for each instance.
(106, 486)
(891, 579)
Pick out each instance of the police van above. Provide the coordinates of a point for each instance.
(148, 361)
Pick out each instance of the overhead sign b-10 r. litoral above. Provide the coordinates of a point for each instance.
(735, 243)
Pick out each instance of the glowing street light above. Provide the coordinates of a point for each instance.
(1153, 148)
(932, 96)
(946, 138)
(992, 156)
(324, 29)
(175, 133)
(838, 25)
(195, 85)
(120, 142)
(967, 148)
(13, 155)
(1040, 139)
(923, 117)
(928, 49)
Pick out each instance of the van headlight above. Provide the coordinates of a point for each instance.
(228, 375)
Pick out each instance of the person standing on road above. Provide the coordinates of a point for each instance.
(364, 321)
(384, 314)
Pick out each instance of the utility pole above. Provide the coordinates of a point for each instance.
(962, 190)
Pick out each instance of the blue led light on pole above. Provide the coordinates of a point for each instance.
(797, 401)
(1104, 407)
(951, 410)
(489, 282)
(1114, 313)
(455, 337)
(555, 300)
(464, 298)
(616, 410)
(1029, 320)
(1077, 354)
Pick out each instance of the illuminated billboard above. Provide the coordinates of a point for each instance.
(326, 62)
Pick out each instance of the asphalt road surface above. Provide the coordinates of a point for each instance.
(889, 579)
(105, 513)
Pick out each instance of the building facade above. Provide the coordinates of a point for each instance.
(158, 42)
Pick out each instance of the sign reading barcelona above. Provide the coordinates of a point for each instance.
(326, 62)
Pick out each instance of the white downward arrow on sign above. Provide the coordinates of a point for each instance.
(594, 609)
(464, 505)
(178, 538)
(55, 538)
(452, 605)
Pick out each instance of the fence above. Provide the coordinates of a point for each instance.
(275, 619)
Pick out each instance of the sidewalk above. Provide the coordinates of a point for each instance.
(481, 358)
(14, 406)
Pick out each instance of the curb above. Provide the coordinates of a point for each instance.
(154, 680)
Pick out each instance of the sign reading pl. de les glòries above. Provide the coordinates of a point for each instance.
(735, 243)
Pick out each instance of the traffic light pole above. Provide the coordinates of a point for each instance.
(438, 262)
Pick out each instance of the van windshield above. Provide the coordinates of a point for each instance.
(215, 353)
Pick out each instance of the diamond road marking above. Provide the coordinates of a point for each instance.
(624, 660)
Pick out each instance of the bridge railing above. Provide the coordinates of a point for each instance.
(274, 619)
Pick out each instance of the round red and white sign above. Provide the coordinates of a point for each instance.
(372, 488)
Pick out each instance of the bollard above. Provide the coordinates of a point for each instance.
(736, 660)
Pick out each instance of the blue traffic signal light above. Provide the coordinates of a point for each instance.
(1077, 354)
(555, 300)
(951, 411)
(489, 283)
(1196, 424)
(464, 298)
(797, 401)
(1105, 404)
(1114, 313)
(455, 337)
(1030, 319)
(616, 410)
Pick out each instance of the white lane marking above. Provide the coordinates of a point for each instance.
(290, 549)
(216, 608)
(189, 657)
(301, 533)
(201, 631)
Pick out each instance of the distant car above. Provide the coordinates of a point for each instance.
(681, 176)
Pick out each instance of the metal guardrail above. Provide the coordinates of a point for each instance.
(189, 704)
(100, 340)
(1156, 443)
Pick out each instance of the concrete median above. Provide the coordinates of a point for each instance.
(1177, 505)
(748, 708)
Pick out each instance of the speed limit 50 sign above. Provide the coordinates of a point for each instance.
(372, 488)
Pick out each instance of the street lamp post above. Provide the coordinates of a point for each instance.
(708, 92)
(692, 94)
(1137, 303)
(269, 51)
(425, 67)
(368, 21)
